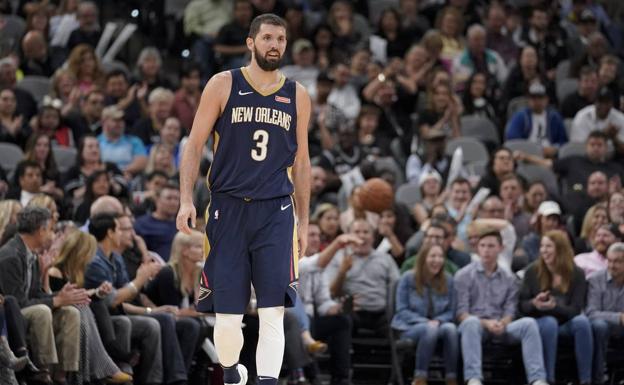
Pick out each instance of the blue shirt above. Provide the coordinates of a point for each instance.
(101, 269)
(122, 151)
(158, 234)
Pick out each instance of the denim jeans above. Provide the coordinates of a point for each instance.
(602, 331)
(427, 337)
(523, 330)
(302, 317)
(579, 329)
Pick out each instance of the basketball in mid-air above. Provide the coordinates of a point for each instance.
(376, 195)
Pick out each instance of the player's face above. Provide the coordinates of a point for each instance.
(268, 46)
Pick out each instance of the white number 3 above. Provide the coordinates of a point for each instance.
(262, 139)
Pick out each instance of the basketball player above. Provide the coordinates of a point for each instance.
(259, 123)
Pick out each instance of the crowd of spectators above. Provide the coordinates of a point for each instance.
(515, 238)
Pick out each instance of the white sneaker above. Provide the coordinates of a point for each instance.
(242, 372)
(540, 382)
(474, 381)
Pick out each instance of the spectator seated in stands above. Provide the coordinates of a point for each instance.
(149, 71)
(129, 99)
(36, 61)
(457, 203)
(477, 58)
(39, 149)
(486, 308)
(27, 182)
(159, 228)
(553, 292)
(25, 104)
(498, 37)
(425, 310)
(605, 307)
(126, 151)
(160, 103)
(20, 277)
(596, 260)
(511, 194)
(608, 70)
(548, 218)
(322, 317)
(584, 96)
(491, 216)
(88, 31)
(303, 69)
(538, 123)
(596, 216)
(186, 98)
(343, 95)
(603, 116)
(230, 43)
(108, 266)
(86, 120)
(13, 128)
(366, 275)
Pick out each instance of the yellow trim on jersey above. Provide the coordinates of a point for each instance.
(295, 247)
(215, 145)
(289, 174)
(263, 93)
(206, 240)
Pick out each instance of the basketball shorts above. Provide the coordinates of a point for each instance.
(249, 242)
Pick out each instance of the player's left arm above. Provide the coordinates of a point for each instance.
(301, 168)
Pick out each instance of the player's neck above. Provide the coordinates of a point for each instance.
(261, 78)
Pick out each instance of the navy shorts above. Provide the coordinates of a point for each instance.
(249, 242)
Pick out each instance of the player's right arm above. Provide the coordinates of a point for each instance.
(211, 105)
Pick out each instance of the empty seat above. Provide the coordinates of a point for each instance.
(479, 127)
(37, 86)
(524, 145)
(11, 155)
(65, 157)
(473, 149)
(533, 173)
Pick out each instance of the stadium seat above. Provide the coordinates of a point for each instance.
(568, 125)
(11, 155)
(571, 149)
(515, 105)
(474, 150)
(480, 128)
(533, 173)
(523, 145)
(566, 87)
(37, 86)
(110, 66)
(65, 157)
(407, 194)
(563, 71)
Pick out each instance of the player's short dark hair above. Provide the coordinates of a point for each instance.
(267, 18)
(99, 225)
(492, 233)
(598, 135)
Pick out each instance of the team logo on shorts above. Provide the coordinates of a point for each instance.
(204, 291)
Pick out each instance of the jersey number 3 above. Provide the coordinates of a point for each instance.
(259, 153)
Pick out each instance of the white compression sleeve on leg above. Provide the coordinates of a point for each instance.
(270, 351)
(228, 338)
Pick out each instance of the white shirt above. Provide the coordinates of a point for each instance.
(586, 121)
(345, 99)
(539, 131)
(25, 197)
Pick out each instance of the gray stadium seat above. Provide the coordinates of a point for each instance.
(515, 105)
(566, 87)
(480, 128)
(533, 173)
(524, 145)
(115, 65)
(571, 149)
(11, 155)
(473, 149)
(65, 157)
(408, 194)
(563, 71)
(37, 86)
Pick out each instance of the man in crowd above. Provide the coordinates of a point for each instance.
(87, 119)
(159, 227)
(366, 275)
(54, 324)
(584, 96)
(160, 102)
(605, 307)
(602, 115)
(29, 182)
(487, 298)
(596, 260)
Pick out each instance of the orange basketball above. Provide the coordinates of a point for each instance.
(376, 195)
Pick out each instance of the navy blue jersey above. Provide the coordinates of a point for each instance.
(255, 141)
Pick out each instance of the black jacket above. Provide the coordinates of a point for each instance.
(13, 275)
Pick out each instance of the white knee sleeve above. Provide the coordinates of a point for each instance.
(228, 338)
(270, 351)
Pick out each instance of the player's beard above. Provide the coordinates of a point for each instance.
(267, 64)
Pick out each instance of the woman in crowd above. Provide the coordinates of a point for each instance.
(548, 218)
(500, 165)
(535, 194)
(442, 113)
(88, 161)
(389, 29)
(430, 184)
(425, 309)
(450, 23)
(553, 291)
(68, 268)
(323, 40)
(8, 214)
(85, 67)
(351, 30)
(596, 216)
(477, 98)
(65, 88)
(48, 122)
(39, 149)
(13, 128)
(328, 218)
(393, 232)
(176, 284)
(148, 70)
(98, 185)
(525, 72)
(160, 160)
